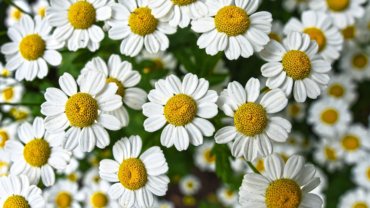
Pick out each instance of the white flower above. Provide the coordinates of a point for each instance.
(295, 110)
(133, 23)
(320, 28)
(63, 194)
(204, 158)
(11, 91)
(276, 31)
(285, 185)
(136, 179)
(91, 177)
(189, 185)
(161, 60)
(96, 196)
(355, 198)
(329, 154)
(16, 191)
(361, 174)
(76, 22)
(14, 15)
(82, 112)
(295, 66)
(356, 63)
(342, 87)
(234, 27)
(4, 72)
(185, 106)
(7, 132)
(39, 8)
(178, 12)
(255, 125)
(32, 47)
(227, 196)
(300, 5)
(37, 153)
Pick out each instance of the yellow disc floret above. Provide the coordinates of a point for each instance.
(81, 110)
(368, 173)
(99, 200)
(317, 35)
(209, 156)
(338, 5)
(16, 201)
(360, 61)
(296, 64)
(4, 136)
(349, 32)
(142, 22)
(132, 174)
(42, 11)
(180, 110)
(275, 36)
(329, 116)
(82, 15)
(250, 119)
(336, 90)
(183, 2)
(330, 153)
(32, 47)
(121, 88)
(260, 165)
(16, 14)
(283, 193)
(63, 200)
(360, 204)
(8, 94)
(37, 152)
(351, 142)
(232, 20)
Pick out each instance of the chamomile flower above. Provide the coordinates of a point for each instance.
(204, 158)
(255, 125)
(341, 87)
(189, 185)
(5, 163)
(20, 114)
(96, 196)
(356, 198)
(329, 116)
(233, 27)
(160, 60)
(63, 194)
(31, 49)
(295, 66)
(276, 31)
(320, 28)
(361, 174)
(11, 91)
(39, 8)
(16, 191)
(291, 5)
(92, 177)
(137, 179)
(227, 196)
(183, 108)
(37, 153)
(329, 154)
(121, 74)
(178, 12)
(342, 12)
(7, 133)
(295, 110)
(76, 22)
(356, 63)
(4, 72)
(133, 23)
(14, 14)
(82, 112)
(285, 185)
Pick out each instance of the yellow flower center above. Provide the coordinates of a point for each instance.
(317, 35)
(190, 184)
(81, 15)
(338, 5)
(63, 200)
(349, 32)
(72, 177)
(209, 156)
(330, 116)
(360, 61)
(351, 142)
(368, 173)
(99, 200)
(330, 153)
(96, 179)
(5, 73)
(157, 64)
(142, 22)
(283, 193)
(18, 114)
(294, 110)
(180, 110)
(42, 11)
(17, 14)
(37, 152)
(121, 88)
(183, 2)
(32, 47)
(260, 166)
(275, 36)
(296, 64)
(132, 174)
(81, 110)
(250, 119)
(336, 90)
(8, 94)
(16, 201)
(4, 136)
(232, 20)
(360, 205)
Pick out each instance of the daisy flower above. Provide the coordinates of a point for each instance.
(291, 5)
(82, 112)
(63, 194)
(178, 12)
(329, 154)
(31, 49)
(37, 153)
(39, 8)
(11, 91)
(329, 116)
(351, 35)
(204, 158)
(285, 185)
(121, 74)
(295, 66)
(16, 191)
(227, 196)
(295, 110)
(183, 108)
(255, 125)
(92, 177)
(342, 12)
(276, 31)
(4, 72)
(76, 22)
(20, 114)
(160, 60)
(7, 133)
(233, 27)
(95, 196)
(320, 28)
(361, 174)
(189, 185)
(341, 87)
(133, 23)
(5, 164)
(137, 179)
(355, 198)
(14, 15)
(355, 63)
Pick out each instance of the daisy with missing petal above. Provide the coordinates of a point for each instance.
(137, 179)
(37, 153)
(63, 194)
(295, 66)
(255, 125)
(82, 112)
(320, 28)
(361, 174)
(357, 198)
(178, 12)
(31, 49)
(76, 22)
(183, 108)
(285, 185)
(16, 192)
(356, 63)
(234, 27)
(329, 154)
(342, 12)
(95, 196)
(121, 74)
(342, 87)
(133, 23)
(189, 185)
(204, 158)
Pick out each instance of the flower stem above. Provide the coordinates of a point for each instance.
(10, 2)
(253, 168)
